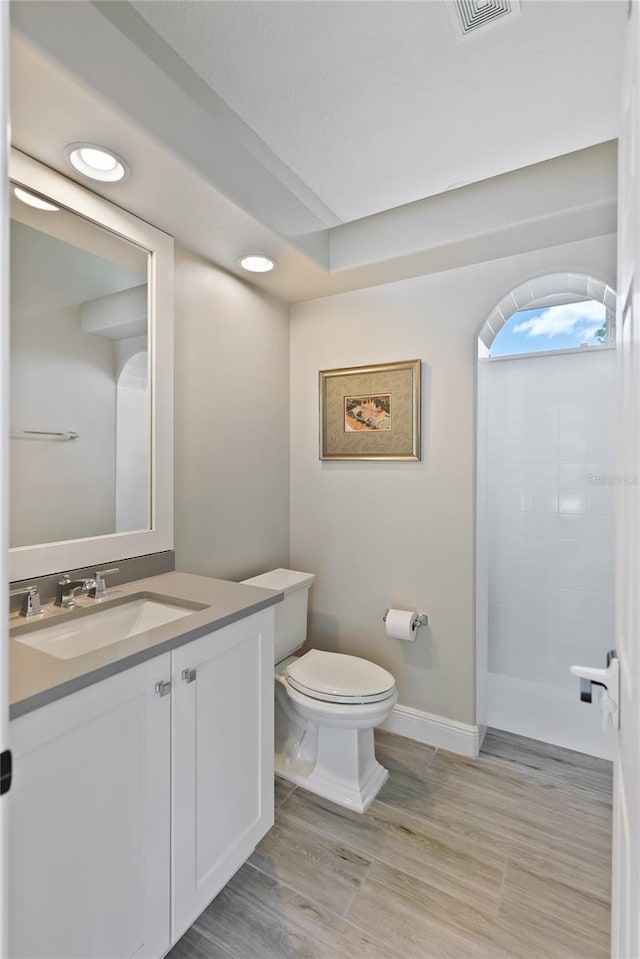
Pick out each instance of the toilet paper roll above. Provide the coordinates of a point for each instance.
(401, 624)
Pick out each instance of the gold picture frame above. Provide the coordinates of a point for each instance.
(371, 412)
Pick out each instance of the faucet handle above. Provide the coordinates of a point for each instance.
(99, 590)
(31, 602)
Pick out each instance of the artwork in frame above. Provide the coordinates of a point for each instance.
(371, 412)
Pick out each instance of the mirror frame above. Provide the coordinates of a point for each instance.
(26, 562)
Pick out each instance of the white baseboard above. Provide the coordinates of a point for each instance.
(434, 730)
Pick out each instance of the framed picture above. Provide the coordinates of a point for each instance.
(371, 412)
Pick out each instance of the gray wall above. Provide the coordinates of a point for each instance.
(386, 534)
(231, 424)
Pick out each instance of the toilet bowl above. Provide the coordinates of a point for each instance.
(327, 706)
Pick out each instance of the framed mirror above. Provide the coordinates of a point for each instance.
(91, 378)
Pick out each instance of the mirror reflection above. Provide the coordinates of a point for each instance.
(80, 398)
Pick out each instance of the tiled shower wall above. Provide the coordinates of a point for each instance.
(550, 468)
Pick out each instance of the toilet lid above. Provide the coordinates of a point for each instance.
(337, 678)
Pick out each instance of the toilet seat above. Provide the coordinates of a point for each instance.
(338, 678)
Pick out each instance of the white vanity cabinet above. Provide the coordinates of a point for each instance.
(134, 803)
(89, 822)
(222, 784)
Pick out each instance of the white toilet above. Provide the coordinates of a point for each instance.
(327, 705)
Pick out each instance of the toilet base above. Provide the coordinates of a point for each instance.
(340, 766)
(358, 800)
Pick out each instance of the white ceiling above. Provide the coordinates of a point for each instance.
(203, 174)
(377, 104)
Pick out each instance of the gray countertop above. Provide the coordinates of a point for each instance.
(37, 678)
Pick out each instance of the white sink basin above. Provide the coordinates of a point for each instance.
(75, 634)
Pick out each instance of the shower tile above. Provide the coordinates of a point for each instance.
(541, 574)
(500, 593)
(506, 523)
(507, 428)
(505, 474)
(540, 475)
(571, 602)
(504, 545)
(600, 580)
(573, 449)
(543, 401)
(503, 619)
(571, 424)
(600, 424)
(509, 498)
(571, 632)
(569, 551)
(600, 605)
(543, 500)
(496, 658)
(539, 450)
(601, 501)
(569, 399)
(600, 528)
(530, 598)
(509, 449)
(571, 526)
(600, 554)
(598, 640)
(537, 524)
(572, 475)
(539, 549)
(524, 658)
(572, 501)
(597, 473)
(602, 448)
(571, 577)
(516, 570)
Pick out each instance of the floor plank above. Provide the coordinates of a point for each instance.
(325, 871)
(259, 916)
(507, 856)
(469, 871)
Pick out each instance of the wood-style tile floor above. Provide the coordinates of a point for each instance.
(507, 855)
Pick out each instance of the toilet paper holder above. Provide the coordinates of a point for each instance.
(421, 619)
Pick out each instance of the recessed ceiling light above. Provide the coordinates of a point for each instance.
(257, 263)
(32, 200)
(96, 162)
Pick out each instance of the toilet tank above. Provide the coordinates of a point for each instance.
(291, 614)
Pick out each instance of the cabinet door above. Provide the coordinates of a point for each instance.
(90, 820)
(222, 759)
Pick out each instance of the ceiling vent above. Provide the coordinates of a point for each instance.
(472, 15)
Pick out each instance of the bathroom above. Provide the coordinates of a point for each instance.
(251, 494)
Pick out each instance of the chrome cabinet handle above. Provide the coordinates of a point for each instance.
(163, 688)
(189, 675)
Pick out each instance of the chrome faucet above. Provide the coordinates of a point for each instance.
(67, 588)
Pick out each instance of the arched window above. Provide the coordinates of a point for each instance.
(564, 311)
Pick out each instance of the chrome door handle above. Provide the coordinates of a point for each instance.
(189, 675)
(163, 688)
(609, 679)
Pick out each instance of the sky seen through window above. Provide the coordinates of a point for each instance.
(562, 327)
